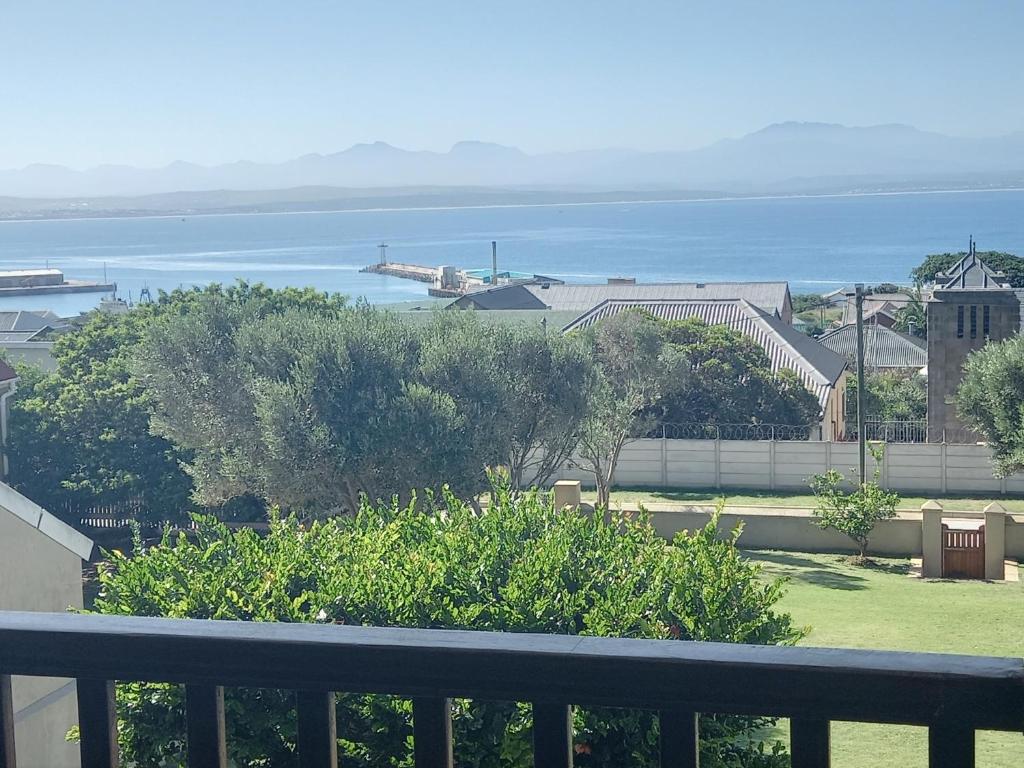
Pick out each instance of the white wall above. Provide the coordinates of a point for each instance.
(918, 468)
(32, 352)
(39, 574)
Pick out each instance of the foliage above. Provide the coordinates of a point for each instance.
(853, 512)
(991, 400)
(530, 388)
(885, 288)
(310, 411)
(803, 302)
(891, 396)
(636, 369)
(912, 316)
(729, 381)
(1011, 265)
(81, 435)
(520, 567)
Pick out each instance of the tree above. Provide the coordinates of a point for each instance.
(891, 396)
(729, 381)
(990, 399)
(1011, 265)
(81, 435)
(854, 513)
(636, 369)
(521, 566)
(912, 318)
(527, 388)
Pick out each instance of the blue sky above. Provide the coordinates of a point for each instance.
(147, 82)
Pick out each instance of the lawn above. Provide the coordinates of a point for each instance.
(783, 499)
(881, 607)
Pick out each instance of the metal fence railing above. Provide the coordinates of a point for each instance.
(739, 431)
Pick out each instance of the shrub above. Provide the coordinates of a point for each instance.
(856, 512)
(518, 567)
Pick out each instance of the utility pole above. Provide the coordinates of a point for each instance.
(861, 437)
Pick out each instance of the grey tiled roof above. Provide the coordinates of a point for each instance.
(818, 367)
(883, 347)
(770, 297)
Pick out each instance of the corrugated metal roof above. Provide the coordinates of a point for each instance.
(883, 347)
(771, 297)
(23, 321)
(818, 367)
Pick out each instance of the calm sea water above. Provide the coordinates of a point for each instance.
(815, 243)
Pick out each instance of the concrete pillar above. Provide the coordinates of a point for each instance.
(567, 494)
(995, 541)
(931, 540)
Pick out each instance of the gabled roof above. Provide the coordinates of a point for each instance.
(818, 367)
(889, 303)
(971, 272)
(47, 525)
(883, 347)
(770, 297)
(499, 297)
(7, 373)
(24, 321)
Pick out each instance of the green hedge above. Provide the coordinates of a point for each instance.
(518, 567)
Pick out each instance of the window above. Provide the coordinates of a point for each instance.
(974, 322)
(985, 320)
(960, 321)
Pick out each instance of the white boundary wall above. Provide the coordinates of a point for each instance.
(920, 468)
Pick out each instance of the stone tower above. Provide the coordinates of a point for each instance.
(971, 306)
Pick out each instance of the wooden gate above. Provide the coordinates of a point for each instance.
(963, 553)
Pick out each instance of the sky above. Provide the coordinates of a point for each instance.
(146, 83)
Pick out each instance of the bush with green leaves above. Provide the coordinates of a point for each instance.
(853, 512)
(990, 399)
(519, 566)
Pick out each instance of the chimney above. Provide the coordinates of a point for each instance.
(494, 262)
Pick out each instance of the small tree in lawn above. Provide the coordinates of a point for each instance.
(635, 368)
(855, 512)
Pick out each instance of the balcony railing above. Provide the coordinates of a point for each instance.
(952, 695)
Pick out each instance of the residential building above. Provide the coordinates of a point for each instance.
(884, 348)
(822, 371)
(773, 298)
(40, 570)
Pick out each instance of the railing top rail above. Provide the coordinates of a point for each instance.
(840, 684)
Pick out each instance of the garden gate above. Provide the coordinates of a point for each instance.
(963, 552)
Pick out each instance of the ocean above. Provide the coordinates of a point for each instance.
(813, 242)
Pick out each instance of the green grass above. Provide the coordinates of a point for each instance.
(741, 497)
(881, 607)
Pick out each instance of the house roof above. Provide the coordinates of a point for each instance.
(818, 367)
(874, 303)
(770, 297)
(48, 525)
(971, 272)
(883, 347)
(22, 321)
(7, 373)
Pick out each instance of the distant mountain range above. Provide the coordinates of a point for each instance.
(784, 158)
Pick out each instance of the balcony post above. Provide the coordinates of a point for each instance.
(679, 739)
(97, 723)
(318, 729)
(810, 742)
(432, 732)
(6, 724)
(950, 745)
(204, 724)
(552, 735)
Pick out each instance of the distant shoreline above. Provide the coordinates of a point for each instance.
(185, 214)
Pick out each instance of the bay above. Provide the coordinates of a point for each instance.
(813, 242)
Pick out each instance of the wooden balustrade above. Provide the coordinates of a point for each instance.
(952, 695)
